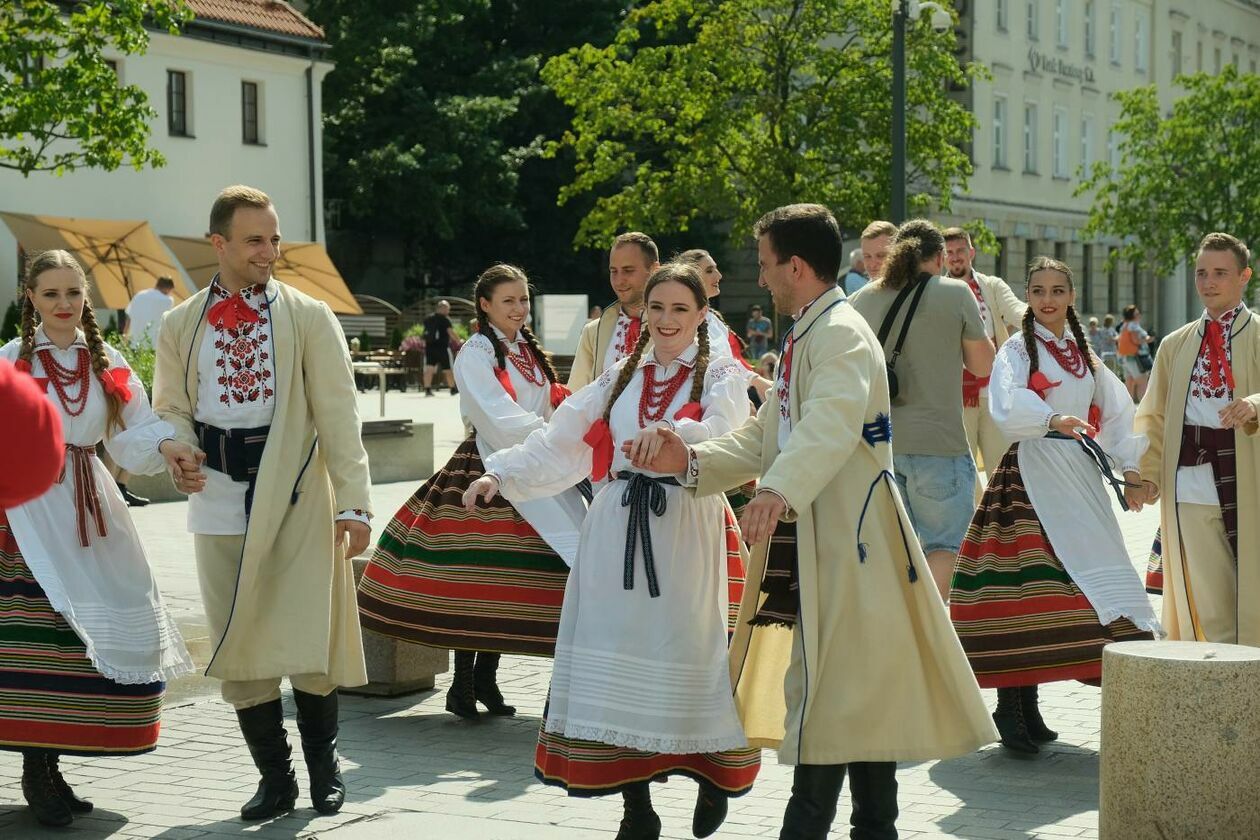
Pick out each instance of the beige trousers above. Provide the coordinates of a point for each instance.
(1211, 573)
(218, 560)
(988, 444)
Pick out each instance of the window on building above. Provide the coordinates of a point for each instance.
(1030, 254)
(1113, 149)
(1060, 252)
(1113, 283)
(1034, 25)
(1140, 45)
(177, 103)
(1113, 34)
(1216, 60)
(1058, 137)
(1253, 65)
(112, 64)
(1237, 61)
(1003, 257)
(1090, 28)
(1087, 143)
(999, 132)
(1139, 299)
(1085, 295)
(1176, 54)
(1030, 138)
(1002, 15)
(249, 113)
(1060, 23)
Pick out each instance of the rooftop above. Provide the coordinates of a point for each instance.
(266, 15)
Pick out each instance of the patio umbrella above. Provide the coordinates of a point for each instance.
(123, 256)
(305, 266)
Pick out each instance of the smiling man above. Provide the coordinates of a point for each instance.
(257, 375)
(1199, 414)
(611, 337)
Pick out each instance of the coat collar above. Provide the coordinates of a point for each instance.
(812, 311)
(687, 358)
(42, 342)
(1241, 319)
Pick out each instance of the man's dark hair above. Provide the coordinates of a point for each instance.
(808, 231)
(643, 242)
(953, 234)
(164, 284)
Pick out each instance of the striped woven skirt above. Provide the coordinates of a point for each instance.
(1020, 617)
(51, 696)
(1155, 566)
(447, 578)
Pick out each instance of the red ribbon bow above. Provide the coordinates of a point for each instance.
(24, 365)
(599, 439)
(559, 393)
(117, 381)
(1219, 370)
(1095, 418)
(228, 314)
(690, 411)
(501, 374)
(1041, 384)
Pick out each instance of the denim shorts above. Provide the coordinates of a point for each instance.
(939, 492)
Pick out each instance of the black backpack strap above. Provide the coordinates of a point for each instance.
(905, 325)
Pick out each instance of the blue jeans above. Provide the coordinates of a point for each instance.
(939, 494)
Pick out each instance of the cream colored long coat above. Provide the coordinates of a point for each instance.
(1161, 417)
(873, 670)
(1004, 305)
(588, 362)
(295, 610)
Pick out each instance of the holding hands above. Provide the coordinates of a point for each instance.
(658, 449)
(1237, 414)
(184, 462)
(1139, 493)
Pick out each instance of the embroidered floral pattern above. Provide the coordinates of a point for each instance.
(243, 354)
(624, 338)
(1201, 385)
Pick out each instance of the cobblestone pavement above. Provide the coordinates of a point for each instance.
(415, 771)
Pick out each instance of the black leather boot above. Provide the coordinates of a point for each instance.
(1009, 720)
(711, 807)
(486, 686)
(1038, 732)
(130, 498)
(639, 821)
(263, 728)
(77, 805)
(812, 806)
(461, 698)
(873, 789)
(317, 721)
(41, 792)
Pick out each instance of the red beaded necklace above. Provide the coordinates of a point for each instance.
(656, 396)
(62, 377)
(525, 363)
(1070, 357)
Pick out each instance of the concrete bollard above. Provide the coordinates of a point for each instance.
(395, 667)
(1180, 741)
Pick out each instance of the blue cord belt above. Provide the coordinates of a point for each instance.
(645, 496)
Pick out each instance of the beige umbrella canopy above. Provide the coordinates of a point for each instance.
(305, 266)
(123, 256)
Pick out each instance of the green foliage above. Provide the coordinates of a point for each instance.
(12, 322)
(723, 109)
(61, 106)
(416, 330)
(395, 338)
(1182, 174)
(140, 357)
(365, 342)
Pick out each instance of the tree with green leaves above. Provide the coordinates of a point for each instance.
(721, 109)
(61, 105)
(1182, 174)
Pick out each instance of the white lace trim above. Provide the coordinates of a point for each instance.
(1143, 622)
(645, 743)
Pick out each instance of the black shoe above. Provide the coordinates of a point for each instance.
(1038, 732)
(317, 721)
(263, 728)
(77, 805)
(1009, 720)
(710, 813)
(454, 391)
(812, 806)
(461, 697)
(638, 821)
(428, 392)
(132, 499)
(873, 789)
(41, 792)
(486, 687)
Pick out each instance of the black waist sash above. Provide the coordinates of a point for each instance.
(1101, 460)
(644, 495)
(234, 452)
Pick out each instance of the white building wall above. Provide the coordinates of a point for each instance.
(176, 198)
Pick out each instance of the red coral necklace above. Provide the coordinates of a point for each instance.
(1070, 358)
(524, 362)
(656, 396)
(63, 377)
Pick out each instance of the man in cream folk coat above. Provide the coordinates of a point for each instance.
(609, 338)
(256, 374)
(1199, 414)
(871, 672)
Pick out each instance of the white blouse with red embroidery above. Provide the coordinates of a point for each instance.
(1197, 485)
(622, 343)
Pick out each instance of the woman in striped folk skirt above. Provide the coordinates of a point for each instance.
(1043, 580)
(487, 582)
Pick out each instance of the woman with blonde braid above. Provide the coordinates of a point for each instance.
(1043, 580)
(490, 583)
(641, 688)
(86, 644)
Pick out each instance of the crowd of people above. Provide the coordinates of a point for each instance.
(710, 578)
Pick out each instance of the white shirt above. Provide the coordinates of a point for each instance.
(1197, 485)
(145, 311)
(620, 346)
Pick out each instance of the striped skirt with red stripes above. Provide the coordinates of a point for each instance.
(1020, 617)
(447, 578)
(1155, 566)
(51, 697)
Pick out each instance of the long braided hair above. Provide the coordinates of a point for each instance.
(489, 280)
(1074, 323)
(915, 241)
(47, 261)
(671, 272)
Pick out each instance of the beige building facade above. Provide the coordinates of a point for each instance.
(1047, 112)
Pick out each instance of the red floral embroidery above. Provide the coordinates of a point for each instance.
(117, 381)
(1207, 380)
(244, 362)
